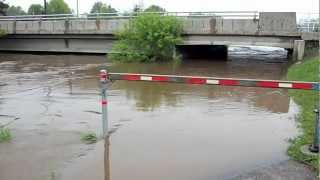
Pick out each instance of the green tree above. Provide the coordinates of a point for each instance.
(36, 9)
(58, 7)
(15, 11)
(149, 37)
(154, 8)
(100, 7)
(3, 7)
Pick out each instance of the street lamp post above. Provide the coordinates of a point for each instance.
(77, 8)
(45, 7)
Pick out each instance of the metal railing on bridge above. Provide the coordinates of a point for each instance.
(221, 14)
(308, 21)
(309, 26)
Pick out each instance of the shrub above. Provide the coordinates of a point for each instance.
(147, 38)
(89, 138)
(5, 135)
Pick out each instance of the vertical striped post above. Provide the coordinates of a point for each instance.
(104, 102)
(315, 146)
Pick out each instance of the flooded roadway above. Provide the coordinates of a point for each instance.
(159, 131)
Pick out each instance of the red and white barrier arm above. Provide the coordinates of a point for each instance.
(215, 81)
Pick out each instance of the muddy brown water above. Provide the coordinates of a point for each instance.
(159, 131)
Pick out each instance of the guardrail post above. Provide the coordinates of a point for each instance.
(104, 102)
(315, 145)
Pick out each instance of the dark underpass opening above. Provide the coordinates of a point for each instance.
(223, 53)
(217, 52)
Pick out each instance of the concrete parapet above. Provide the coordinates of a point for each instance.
(27, 27)
(217, 25)
(274, 23)
(8, 27)
(277, 29)
(310, 36)
(239, 26)
(199, 25)
(269, 23)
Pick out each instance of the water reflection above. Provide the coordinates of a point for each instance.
(107, 170)
(149, 96)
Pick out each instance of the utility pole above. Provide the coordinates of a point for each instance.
(77, 8)
(45, 6)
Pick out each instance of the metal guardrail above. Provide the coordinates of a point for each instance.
(308, 21)
(222, 14)
(309, 27)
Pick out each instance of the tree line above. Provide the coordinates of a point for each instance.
(61, 7)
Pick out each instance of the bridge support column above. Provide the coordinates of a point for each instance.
(298, 49)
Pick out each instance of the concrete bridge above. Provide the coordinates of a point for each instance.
(96, 35)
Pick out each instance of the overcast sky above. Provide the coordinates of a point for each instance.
(193, 5)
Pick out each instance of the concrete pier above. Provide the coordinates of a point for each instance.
(298, 49)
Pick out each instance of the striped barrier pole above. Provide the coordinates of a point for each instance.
(104, 102)
(200, 80)
(105, 132)
(215, 81)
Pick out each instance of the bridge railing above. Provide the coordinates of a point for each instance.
(220, 14)
(308, 22)
(309, 26)
(312, 27)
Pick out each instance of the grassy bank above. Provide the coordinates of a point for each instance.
(308, 70)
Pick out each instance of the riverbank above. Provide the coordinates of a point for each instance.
(307, 70)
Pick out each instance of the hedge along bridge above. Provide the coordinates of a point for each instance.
(94, 33)
(106, 77)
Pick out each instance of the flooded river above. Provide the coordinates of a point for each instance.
(159, 131)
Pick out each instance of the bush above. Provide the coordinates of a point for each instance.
(147, 38)
(89, 138)
(5, 135)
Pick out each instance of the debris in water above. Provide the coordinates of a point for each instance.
(94, 112)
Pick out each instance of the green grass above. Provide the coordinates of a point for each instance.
(89, 138)
(5, 135)
(308, 70)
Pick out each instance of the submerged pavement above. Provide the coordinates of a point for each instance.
(160, 131)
